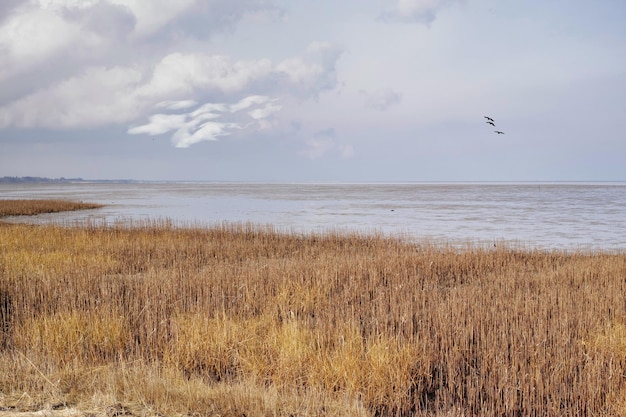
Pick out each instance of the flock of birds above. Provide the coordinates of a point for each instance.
(491, 122)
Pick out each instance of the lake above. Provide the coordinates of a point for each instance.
(538, 215)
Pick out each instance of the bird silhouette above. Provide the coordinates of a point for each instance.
(488, 118)
(498, 132)
(491, 123)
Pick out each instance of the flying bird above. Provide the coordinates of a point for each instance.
(491, 123)
(498, 132)
(488, 118)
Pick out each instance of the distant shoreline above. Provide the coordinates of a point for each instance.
(63, 180)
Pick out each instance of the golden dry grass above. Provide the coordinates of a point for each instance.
(237, 319)
(32, 207)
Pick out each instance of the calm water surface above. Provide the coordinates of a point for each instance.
(545, 215)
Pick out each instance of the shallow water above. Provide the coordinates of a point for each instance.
(544, 215)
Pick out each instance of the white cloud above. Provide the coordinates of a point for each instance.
(150, 15)
(90, 63)
(42, 28)
(209, 110)
(187, 135)
(101, 96)
(265, 111)
(45, 39)
(177, 104)
(44, 31)
(93, 63)
(97, 97)
(160, 124)
(26, 40)
(209, 121)
(420, 11)
(248, 101)
(183, 74)
(265, 106)
(312, 72)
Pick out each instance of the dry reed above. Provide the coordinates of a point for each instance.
(238, 319)
(32, 207)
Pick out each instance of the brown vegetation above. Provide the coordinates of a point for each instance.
(32, 207)
(236, 319)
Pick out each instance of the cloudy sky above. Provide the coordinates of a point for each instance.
(304, 90)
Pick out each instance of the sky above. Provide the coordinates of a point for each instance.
(313, 90)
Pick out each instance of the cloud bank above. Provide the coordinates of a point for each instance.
(103, 67)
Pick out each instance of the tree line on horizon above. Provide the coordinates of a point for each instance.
(38, 179)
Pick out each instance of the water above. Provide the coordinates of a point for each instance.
(543, 215)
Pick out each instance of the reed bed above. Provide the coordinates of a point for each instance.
(244, 320)
(32, 207)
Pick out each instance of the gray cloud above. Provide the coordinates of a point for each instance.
(104, 65)
(110, 21)
(101, 33)
(208, 17)
(98, 96)
(6, 7)
(84, 34)
(101, 96)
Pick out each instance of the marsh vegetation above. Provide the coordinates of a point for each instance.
(241, 319)
(33, 207)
